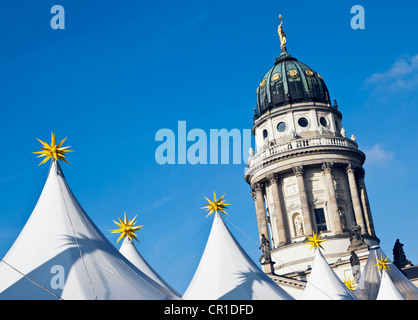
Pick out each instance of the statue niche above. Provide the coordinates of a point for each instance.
(298, 225)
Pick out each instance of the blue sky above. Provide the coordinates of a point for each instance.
(122, 70)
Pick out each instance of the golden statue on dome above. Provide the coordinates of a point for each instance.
(282, 34)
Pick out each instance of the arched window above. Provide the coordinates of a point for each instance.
(265, 133)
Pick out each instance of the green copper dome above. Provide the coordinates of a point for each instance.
(289, 82)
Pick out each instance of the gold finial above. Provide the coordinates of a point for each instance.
(53, 151)
(217, 205)
(282, 34)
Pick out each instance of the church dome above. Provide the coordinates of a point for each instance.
(290, 81)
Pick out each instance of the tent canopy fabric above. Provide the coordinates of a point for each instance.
(370, 279)
(61, 254)
(130, 252)
(323, 283)
(226, 272)
(387, 290)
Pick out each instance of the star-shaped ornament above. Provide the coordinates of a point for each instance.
(126, 228)
(350, 284)
(53, 151)
(383, 263)
(315, 241)
(217, 205)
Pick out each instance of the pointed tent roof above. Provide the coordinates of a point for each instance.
(387, 290)
(226, 272)
(60, 253)
(323, 283)
(130, 252)
(370, 279)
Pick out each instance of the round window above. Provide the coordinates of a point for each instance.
(292, 73)
(303, 122)
(309, 72)
(323, 121)
(265, 133)
(281, 127)
(275, 77)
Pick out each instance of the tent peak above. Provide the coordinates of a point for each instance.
(56, 168)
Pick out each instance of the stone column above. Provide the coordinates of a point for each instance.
(258, 198)
(355, 198)
(349, 212)
(365, 203)
(333, 204)
(298, 171)
(277, 213)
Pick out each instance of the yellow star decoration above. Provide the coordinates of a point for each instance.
(126, 228)
(54, 151)
(217, 205)
(315, 241)
(382, 263)
(350, 284)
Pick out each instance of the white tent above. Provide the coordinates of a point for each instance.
(131, 253)
(226, 272)
(61, 254)
(387, 290)
(323, 283)
(370, 279)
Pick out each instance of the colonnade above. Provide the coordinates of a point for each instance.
(276, 221)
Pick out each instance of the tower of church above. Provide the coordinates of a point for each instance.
(306, 175)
